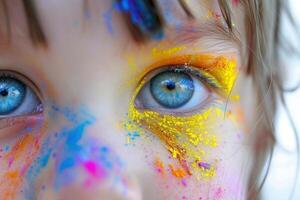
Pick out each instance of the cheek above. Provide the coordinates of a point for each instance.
(21, 147)
(206, 151)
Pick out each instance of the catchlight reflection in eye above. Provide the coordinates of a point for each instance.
(171, 89)
(188, 135)
(12, 93)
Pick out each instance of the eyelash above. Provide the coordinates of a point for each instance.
(196, 103)
(206, 78)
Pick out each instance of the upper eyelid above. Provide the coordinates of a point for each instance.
(206, 78)
(206, 62)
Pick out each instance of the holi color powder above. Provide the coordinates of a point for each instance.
(223, 69)
(187, 137)
(77, 152)
(70, 150)
(107, 18)
(97, 160)
(183, 136)
(18, 160)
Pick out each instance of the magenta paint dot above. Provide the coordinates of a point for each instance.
(10, 161)
(183, 182)
(219, 193)
(94, 169)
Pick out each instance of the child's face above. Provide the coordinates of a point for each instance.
(168, 118)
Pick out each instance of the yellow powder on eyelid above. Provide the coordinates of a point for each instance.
(167, 52)
(221, 68)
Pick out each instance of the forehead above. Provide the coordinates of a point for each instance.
(36, 21)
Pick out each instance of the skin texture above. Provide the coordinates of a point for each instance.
(88, 69)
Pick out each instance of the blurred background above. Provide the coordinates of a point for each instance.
(282, 182)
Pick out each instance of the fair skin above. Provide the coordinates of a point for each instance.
(86, 66)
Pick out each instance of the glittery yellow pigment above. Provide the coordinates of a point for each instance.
(167, 52)
(190, 137)
(223, 69)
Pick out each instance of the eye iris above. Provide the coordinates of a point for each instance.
(172, 89)
(12, 94)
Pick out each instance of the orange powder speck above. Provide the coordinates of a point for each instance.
(14, 179)
(159, 165)
(19, 148)
(177, 172)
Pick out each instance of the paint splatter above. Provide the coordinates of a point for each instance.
(186, 137)
(71, 151)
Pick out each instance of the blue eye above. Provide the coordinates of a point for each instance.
(175, 89)
(172, 89)
(12, 93)
(16, 97)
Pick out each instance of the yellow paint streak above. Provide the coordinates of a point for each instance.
(167, 52)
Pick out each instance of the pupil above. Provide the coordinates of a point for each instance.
(170, 85)
(4, 93)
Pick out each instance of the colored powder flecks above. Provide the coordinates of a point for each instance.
(188, 138)
(74, 152)
(107, 17)
(17, 159)
(97, 160)
(184, 137)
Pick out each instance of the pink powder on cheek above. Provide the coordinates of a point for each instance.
(94, 169)
(95, 172)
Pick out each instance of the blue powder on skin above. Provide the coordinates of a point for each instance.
(107, 17)
(6, 148)
(72, 150)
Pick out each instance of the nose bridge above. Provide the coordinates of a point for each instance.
(79, 149)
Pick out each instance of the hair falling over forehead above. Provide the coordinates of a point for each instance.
(35, 30)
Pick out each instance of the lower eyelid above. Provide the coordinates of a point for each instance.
(11, 126)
